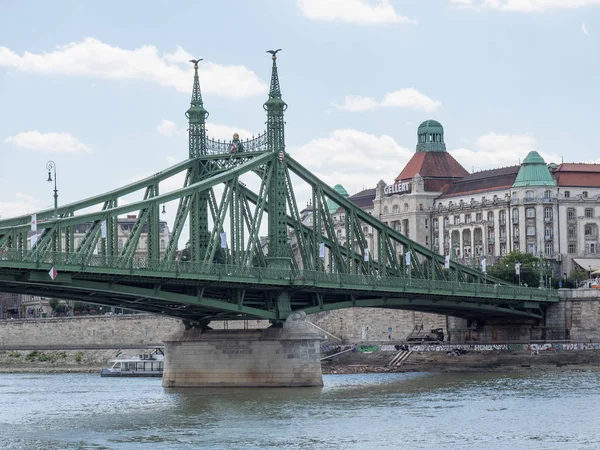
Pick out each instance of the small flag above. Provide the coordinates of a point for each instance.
(483, 265)
(34, 222)
(407, 258)
(367, 256)
(447, 262)
(223, 240)
(103, 229)
(53, 273)
(322, 250)
(280, 156)
(518, 269)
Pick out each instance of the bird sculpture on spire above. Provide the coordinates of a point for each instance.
(274, 53)
(195, 61)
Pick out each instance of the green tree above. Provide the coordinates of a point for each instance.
(53, 303)
(505, 269)
(575, 277)
(219, 257)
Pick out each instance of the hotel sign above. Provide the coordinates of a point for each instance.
(397, 188)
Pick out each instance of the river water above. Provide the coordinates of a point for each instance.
(376, 411)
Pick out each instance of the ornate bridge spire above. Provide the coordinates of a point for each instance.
(279, 254)
(197, 115)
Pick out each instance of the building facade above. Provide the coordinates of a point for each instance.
(126, 225)
(548, 210)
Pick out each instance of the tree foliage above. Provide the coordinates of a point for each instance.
(530, 272)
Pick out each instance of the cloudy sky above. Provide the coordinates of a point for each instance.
(101, 87)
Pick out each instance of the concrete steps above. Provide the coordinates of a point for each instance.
(399, 358)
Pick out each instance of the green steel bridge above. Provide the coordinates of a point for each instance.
(231, 193)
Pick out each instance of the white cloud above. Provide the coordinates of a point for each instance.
(410, 98)
(225, 132)
(495, 150)
(353, 11)
(404, 98)
(357, 103)
(353, 158)
(584, 29)
(92, 57)
(526, 5)
(50, 142)
(22, 204)
(167, 128)
(213, 131)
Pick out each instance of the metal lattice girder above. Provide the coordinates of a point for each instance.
(421, 256)
(47, 226)
(239, 279)
(193, 291)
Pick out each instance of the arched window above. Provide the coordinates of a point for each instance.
(395, 209)
(162, 243)
(120, 244)
(406, 207)
(385, 210)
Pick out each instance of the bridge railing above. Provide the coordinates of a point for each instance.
(256, 144)
(140, 264)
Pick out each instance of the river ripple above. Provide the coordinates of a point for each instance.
(385, 411)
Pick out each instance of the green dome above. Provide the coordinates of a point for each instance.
(333, 206)
(534, 172)
(430, 137)
(430, 124)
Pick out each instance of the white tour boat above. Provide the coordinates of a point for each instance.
(144, 365)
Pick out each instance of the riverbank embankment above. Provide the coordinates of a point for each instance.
(359, 359)
(466, 358)
(61, 361)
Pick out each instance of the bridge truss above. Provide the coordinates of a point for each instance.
(251, 252)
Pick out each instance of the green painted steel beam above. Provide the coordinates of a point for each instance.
(425, 305)
(136, 206)
(101, 198)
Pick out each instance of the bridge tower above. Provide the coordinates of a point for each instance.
(197, 115)
(279, 252)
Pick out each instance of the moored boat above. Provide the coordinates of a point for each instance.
(144, 365)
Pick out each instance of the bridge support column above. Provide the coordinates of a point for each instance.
(288, 356)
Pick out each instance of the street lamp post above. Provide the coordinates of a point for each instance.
(51, 166)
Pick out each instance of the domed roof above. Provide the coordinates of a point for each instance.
(430, 137)
(340, 190)
(534, 172)
(533, 158)
(333, 206)
(429, 124)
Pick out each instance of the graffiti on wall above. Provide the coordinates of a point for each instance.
(535, 348)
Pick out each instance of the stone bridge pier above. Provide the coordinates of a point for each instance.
(287, 356)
